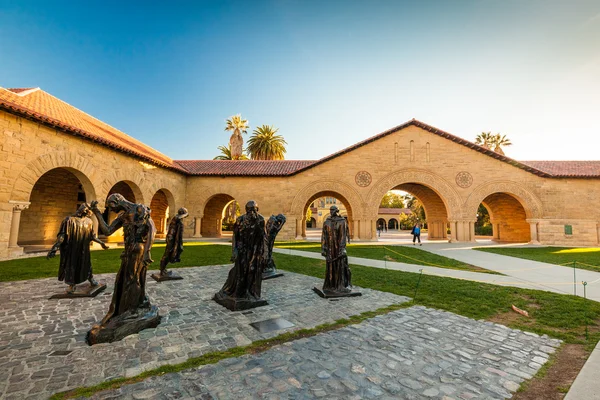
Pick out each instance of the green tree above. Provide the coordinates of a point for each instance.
(226, 154)
(392, 200)
(308, 214)
(499, 141)
(236, 141)
(418, 211)
(264, 144)
(483, 226)
(485, 139)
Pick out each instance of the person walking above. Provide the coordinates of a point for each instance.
(416, 232)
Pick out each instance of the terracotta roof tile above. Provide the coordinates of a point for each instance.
(567, 169)
(243, 167)
(36, 104)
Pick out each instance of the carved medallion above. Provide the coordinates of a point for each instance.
(363, 178)
(464, 179)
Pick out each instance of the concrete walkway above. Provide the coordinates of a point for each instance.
(518, 272)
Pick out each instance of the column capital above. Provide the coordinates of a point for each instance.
(19, 205)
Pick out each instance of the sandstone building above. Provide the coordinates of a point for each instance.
(54, 156)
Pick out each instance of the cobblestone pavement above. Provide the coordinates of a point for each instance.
(413, 353)
(42, 342)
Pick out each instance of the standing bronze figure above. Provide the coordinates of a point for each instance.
(249, 251)
(74, 239)
(173, 249)
(130, 310)
(274, 225)
(333, 248)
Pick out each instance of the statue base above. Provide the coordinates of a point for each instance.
(271, 275)
(170, 276)
(124, 325)
(237, 304)
(327, 294)
(86, 290)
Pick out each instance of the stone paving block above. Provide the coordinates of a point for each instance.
(34, 327)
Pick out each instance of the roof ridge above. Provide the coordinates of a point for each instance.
(22, 91)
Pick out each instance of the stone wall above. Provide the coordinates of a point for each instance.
(452, 180)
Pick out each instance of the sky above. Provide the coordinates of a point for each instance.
(326, 73)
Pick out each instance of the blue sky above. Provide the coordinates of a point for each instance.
(326, 73)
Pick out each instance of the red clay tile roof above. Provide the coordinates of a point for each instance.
(394, 211)
(34, 103)
(567, 169)
(243, 167)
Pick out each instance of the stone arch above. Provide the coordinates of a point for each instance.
(330, 188)
(530, 202)
(212, 214)
(337, 189)
(79, 166)
(134, 179)
(437, 184)
(173, 195)
(393, 224)
(162, 208)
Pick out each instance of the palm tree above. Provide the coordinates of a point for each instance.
(499, 141)
(485, 139)
(226, 154)
(264, 144)
(236, 142)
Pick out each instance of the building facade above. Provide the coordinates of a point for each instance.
(54, 156)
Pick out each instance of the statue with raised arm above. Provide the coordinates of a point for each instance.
(243, 286)
(333, 248)
(174, 247)
(130, 309)
(274, 225)
(74, 238)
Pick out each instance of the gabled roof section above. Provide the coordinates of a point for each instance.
(436, 131)
(39, 106)
(243, 167)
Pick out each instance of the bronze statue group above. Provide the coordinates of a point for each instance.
(130, 310)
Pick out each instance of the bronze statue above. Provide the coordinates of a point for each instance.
(333, 248)
(274, 225)
(130, 310)
(173, 249)
(249, 251)
(74, 239)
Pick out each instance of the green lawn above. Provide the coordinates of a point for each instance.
(584, 257)
(560, 316)
(405, 254)
(104, 261)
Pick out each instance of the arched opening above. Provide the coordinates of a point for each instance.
(132, 193)
(56, 194)
(507, 218)
(214, 214)
(231, 212)
(318, 207)
(162, 207)
(312, 223)
(410, 203)
(381, 224)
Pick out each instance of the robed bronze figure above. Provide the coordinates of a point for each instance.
(274, 225)
(74, 239)
(130, 310)
(173, 248)
(333, 247)
(249, 251)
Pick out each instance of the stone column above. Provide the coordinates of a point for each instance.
(472, 230)
(453, 233)
(18, 206)
(197, 227)
(219, 227)
(299, 228)
(355, 231)
(533, 230)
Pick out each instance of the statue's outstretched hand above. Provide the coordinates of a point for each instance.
(51, 254)
(147, 259)
(94, 205)
(104, 246)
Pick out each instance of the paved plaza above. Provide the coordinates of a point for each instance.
(413, 353)
(42, 342)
